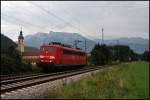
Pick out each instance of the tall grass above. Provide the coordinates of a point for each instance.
(124, 81)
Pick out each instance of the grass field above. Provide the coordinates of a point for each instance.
(123, 81)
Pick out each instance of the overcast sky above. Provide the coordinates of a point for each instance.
(118, 18)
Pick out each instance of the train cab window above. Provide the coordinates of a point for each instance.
(42, 48)
(51, 49)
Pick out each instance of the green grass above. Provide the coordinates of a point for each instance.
(123, 81)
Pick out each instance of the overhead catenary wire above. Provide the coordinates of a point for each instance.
(13, 20)
(23, 22)
(55, 16)
(50, 14)
(27, 13)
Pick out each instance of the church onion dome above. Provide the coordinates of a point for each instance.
(21, 36)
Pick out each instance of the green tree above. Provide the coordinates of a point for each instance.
(122, 52)
(100, 55)
(145, 56)
(11, 62)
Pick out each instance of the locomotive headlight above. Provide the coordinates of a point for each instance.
(51, 57)
(41, 56)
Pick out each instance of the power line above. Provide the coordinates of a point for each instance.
(55, 16)
(38, 17)
(50, 13)
(35, 15)
(22, 21)
(76, 42)
(79, 25)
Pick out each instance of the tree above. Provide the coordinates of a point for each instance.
(11, 62)
(123, 53)
(103, 54)
(100, 55)
(145, 56)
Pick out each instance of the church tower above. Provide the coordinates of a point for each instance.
(21, 42)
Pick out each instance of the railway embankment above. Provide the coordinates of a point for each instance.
(37, 91)
(123, 81)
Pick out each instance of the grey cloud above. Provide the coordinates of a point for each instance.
(118, 18)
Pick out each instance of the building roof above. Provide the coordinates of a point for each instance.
(31, 53)
(30, 49)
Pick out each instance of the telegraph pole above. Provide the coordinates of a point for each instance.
(85, 45)
(118, 49)
(85, 51)
(76, 41)
(102, 36)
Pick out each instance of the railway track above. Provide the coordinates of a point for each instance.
(15, 76)
(23, 82)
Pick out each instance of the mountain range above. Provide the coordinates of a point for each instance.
(139, 45)
(6, 43)
(66, 38)
(33, 42)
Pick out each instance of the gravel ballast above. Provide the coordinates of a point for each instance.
(41, 91)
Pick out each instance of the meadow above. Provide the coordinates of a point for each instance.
(123, 81)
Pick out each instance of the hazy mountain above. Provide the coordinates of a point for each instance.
(32, 42)
(67, 38)
(134, 40)
(139, 45)
(6, 43)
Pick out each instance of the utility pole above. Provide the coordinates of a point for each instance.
(118, 49)
(85, 52)
(85, 45)
(76, 41)
(102, 36)
(79, 25)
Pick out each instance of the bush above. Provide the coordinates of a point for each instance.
(100, 55)
(12, 64)
(103, 54)
(145, 56)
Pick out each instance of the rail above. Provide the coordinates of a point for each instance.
(10, 85)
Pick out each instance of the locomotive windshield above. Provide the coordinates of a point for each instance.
(50, 49)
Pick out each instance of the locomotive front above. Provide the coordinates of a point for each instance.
(48, 54)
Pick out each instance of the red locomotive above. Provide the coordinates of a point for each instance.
(58, 54)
